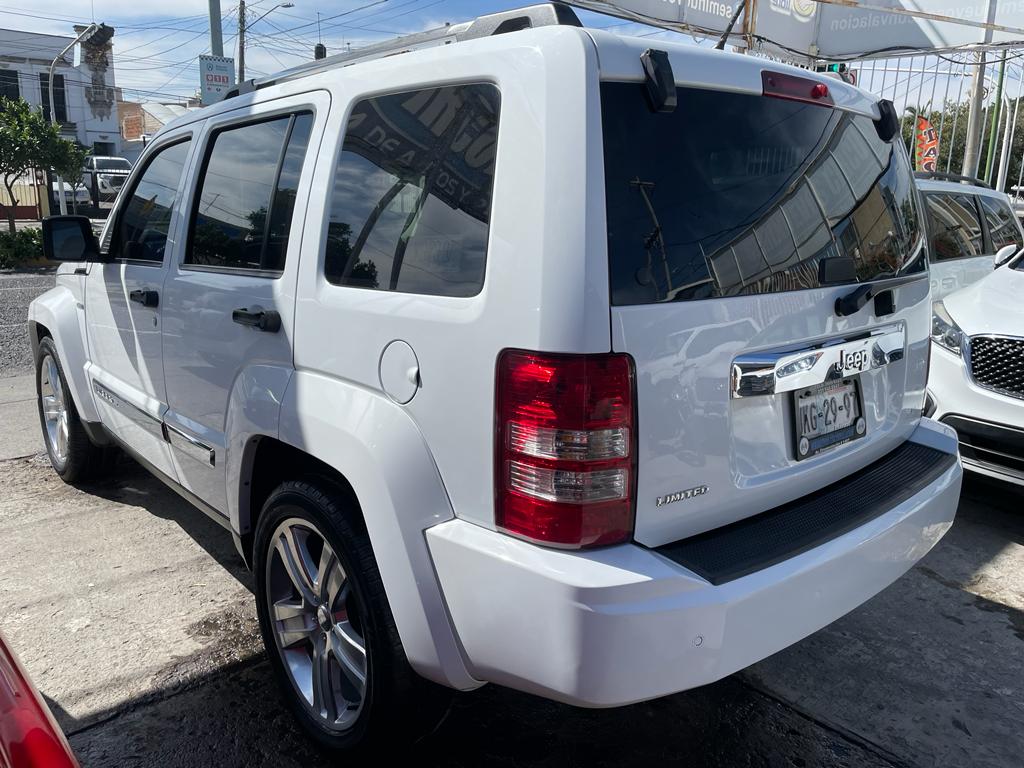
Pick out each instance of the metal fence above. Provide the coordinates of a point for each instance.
(938, 85)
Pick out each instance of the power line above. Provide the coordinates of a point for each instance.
(339, 15)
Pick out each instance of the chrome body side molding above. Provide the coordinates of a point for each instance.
(146, 420)
(190, 445)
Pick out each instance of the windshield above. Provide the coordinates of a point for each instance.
(112, 164)
(737, 194)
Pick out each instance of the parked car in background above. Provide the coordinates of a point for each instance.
(976, 384)
(533, 356)
(110, 174)
(969, 224)
(29, 735)
(72, 194)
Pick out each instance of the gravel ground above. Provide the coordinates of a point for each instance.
(16, 291)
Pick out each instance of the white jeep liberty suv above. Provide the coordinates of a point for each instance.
(530, 355)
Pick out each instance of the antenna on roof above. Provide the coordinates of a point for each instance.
(728, 30)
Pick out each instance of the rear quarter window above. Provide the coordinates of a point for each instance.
(737, 194)
(1002, 224)
(411, 205)
(955, 227)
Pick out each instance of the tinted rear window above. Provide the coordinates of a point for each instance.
(735, 194)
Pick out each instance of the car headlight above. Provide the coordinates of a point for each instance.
(945, 332)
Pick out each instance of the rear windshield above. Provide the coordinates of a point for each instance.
(735, 194)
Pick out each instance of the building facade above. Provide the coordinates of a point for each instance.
(84, 91)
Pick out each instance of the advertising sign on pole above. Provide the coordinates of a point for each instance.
(927, 146)
(216, 76)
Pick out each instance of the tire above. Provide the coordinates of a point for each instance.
(72, 454)
(395, 706)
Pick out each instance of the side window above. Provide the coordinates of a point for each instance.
(411, 205)
(243, 210)
(955, 226)
(1002, 225)
(146, 219)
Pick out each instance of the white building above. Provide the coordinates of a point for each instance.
(83, 85)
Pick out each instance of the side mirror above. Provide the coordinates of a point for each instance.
(69, 238)
(1004, 254)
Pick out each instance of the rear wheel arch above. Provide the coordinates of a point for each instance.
(267, 463)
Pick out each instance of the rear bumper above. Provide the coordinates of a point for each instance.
(990, 424)
(625, 624)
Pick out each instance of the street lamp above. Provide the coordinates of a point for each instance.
(94, 33)
(241, 33)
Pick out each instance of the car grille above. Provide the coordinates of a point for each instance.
(998, 363)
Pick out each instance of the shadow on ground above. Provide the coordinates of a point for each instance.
(130, 484)
(889, 685)
(236, 719)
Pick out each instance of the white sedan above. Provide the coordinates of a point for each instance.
(77, 194)
(976, 383)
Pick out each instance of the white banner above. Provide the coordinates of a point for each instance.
(835, 29)
(216, 76)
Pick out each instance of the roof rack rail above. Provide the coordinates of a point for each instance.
(543, 15)
(940, 176)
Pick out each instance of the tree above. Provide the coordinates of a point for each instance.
(26, 141)
(67, 158)
(953, 143)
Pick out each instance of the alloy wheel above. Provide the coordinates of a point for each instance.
(54, 407)
(316, 623)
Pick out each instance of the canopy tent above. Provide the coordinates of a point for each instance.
(835, 29)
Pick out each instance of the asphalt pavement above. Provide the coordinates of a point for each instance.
(134, 615)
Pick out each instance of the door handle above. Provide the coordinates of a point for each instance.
(261, 319)
(145, 298)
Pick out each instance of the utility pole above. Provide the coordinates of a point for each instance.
(997, 113)
(972, 151)
(241, 41)
(216, 38)
(243, 23)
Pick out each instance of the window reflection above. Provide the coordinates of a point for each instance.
(244, 210)
(1002, 224)
(146, 220)
(736, 194)
(955, 226)
(412, 192)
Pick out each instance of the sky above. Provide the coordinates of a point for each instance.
(156, 53)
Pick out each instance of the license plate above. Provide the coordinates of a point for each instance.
(827, 415)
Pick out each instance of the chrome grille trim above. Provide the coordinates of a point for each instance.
(996, 363)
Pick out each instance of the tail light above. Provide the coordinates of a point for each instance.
(29, 736)
(783, 85)
(565, 456)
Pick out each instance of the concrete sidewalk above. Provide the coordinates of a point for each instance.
(20, 434)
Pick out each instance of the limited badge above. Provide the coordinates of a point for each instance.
(689, 493)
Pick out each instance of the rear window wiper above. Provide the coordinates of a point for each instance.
(654, 237)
